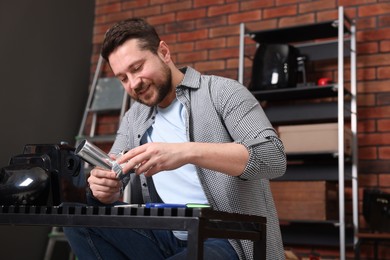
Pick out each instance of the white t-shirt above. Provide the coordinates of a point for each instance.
(181, 185)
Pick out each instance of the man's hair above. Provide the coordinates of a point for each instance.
(133, 28)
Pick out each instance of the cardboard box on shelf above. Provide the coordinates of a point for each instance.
(314, 138)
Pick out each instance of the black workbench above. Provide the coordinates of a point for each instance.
(201, 223)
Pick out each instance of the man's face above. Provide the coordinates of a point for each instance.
(144, 75)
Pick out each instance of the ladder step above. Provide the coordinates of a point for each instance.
(97, 138)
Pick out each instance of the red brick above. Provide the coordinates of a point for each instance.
(157, 2)
(191, 14)
(210, 65)
(222, 9)
(384, 21)
(202, 3)
(108, 119)
(367, 180)
(367, 48)
(384, 181)
(211, 43)
(366, 99)
(384, 72)
(134, 4)
(328, 15)
(374, 139)
(97, 38)
(192, 56)
(382, 59)
(383, 125)
(366, 23)
(223, 53)
(224, 31)
(316, 6)
(244, 17)
(373, 86)
(374, 34)
(254, 5)
(182, 26)
(109, 8)
(211, 22)
(351, 12)
(227, 73)
(384, 46)
(367, 153)
(366, 126)
(177, 6)
(194, 35)
(100, 19)
(182, 47)
(383, 99)
(101, 29)
(169, 38)
(232, 63)
(288, 10)
(116, 17)
(374, 9)
(354, 2)
(162, 19)
(374, 112)
(297, 20)
(366, 74)
(262, 25)
(233, 41)
(149, 11)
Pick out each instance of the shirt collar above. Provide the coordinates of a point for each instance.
(191, 78)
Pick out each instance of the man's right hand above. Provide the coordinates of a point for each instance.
(104, 185)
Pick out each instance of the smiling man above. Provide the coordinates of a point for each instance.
(195, 138)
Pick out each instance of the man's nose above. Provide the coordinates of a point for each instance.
(134, 82)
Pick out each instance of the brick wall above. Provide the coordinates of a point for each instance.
(204, 34)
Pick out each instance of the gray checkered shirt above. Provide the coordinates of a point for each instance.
(221, 110)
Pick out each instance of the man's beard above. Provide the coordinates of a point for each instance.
(162, 88)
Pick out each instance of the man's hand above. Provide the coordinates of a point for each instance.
(152, 158)
(104, 185)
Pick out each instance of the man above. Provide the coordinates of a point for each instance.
(196, 138)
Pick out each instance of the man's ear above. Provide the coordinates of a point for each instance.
(163, 51)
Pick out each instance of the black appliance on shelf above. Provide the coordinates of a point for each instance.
(44, 174)
(275, 66)
(376, 209)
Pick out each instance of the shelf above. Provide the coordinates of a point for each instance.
(310, 92)
(314, 172)
(314, 233)
(311, 104)
(322, 50)
(324, 112)
(301, 33)
(323, 157)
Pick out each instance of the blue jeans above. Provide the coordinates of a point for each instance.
(139, 244)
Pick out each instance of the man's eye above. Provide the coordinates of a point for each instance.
(136, 68)
(123, 80)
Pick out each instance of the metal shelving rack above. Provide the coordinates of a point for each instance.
(345, 36)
